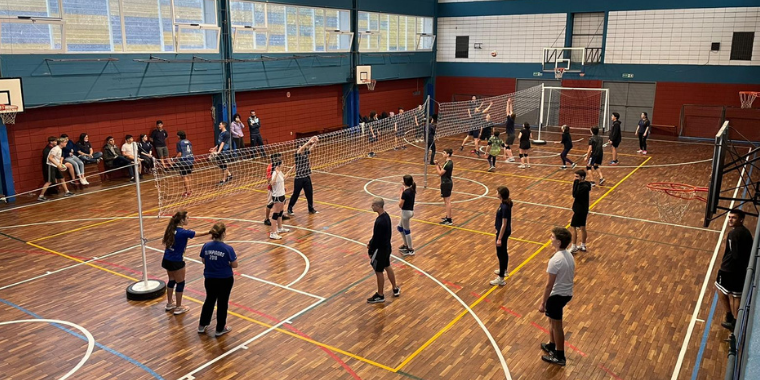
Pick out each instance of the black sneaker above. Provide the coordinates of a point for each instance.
(461, 148)
(553, 359)
(290, 211)
(397, 291)
(728, 325)
(313, 211)
(285, 217)
(376, 299)
(42, 199)
(601, 181)
(448, 222)
(402, 248)
(548, 347)
(267, 222)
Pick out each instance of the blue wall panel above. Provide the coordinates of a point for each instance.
(54, 83)
(485, 8)
(647, 73)
(403, 7)
(399, 65)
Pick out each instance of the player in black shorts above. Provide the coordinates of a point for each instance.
(615, 137)
(525, 137)
(581, 191)
(379, 250)
(477, 119)
(447, 184)
(485, 134)
(733, 269)
(510, 125)
(595, 155)
(567, 144)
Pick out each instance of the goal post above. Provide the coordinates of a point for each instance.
(576, 107)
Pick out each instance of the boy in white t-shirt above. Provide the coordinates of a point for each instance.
(128, 151)
(53, 167)
(558, 292)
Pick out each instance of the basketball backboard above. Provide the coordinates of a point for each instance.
(363, 74)
(716, 177)
(572, 59)
(11, 93)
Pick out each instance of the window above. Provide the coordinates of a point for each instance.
(108, 26)
(389, 32)
(267, 27)
(741, 46)
(462, 47)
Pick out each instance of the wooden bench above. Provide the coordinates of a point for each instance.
(667, 130)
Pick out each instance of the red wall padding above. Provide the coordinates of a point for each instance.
(447, 87)
(308, 109)
(28, 137)
(388, 96)
(671, 96)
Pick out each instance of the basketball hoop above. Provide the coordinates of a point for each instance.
(8, 114)
(370, 84)
(747, 97)
(558, 72)
(669, 198)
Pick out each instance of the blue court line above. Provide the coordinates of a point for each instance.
(702, 346)
(102, 347)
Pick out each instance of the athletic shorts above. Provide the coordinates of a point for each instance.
(52, 173)
(475, 133)
(616, 143)
(510, 139)
(485, 135)
(372, 139)
(554, 306)
(184, 168)
(595, 161)
(222, 159)
(280, 199)
(380, 260)
(579, 219)
(730, 283)
(446, 188)
(162, 152)
(525, 145)
(171, 266)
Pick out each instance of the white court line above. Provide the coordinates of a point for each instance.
(38, 203)
(286, 287)
(546, 205)
(244, 345)
(476, 197)
(693, 321)
(90, 339)
(65, 221)
(475, 316)
(68, 267)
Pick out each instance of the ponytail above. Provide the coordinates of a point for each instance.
(171, 229)
(504, 194)
(217, 231)
(409, 182)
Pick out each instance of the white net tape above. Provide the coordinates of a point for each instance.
(575, 108)
(248, 166)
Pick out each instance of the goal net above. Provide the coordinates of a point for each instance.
(578, 108)
(206, 179)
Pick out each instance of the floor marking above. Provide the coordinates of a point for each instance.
(479, 171)
(705, 335)
(90, 339)
(102, 347)
(64, 221)
(700, 320)
(48, 273)
(244, 345)
(88, 263)
(698, 306)
(476, 197)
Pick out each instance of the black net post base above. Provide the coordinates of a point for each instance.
(539, 142)
(139, 291)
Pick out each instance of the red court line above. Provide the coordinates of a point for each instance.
(609, 372)
(453, 285)
(510, 311)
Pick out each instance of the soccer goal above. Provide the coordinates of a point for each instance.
(578, 108)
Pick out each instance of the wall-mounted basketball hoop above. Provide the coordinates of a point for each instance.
(370, 84)
(747, 97)
(558, 72)
(8, 114)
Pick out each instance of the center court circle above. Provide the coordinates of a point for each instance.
(485, 192)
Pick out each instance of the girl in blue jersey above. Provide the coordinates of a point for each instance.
(218, 260)
(185, 161)
(175, 241)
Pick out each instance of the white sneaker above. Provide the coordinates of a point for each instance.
(527, 166)
(283, 230)
(274, 236)
(84, 182)
(574, 249)
(521, 166)
(498, 281)
(492, 168)
(583, 247)
(511, 159)
(639, 151)
(496, 272)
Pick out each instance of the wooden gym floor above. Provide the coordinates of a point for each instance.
(298, 305)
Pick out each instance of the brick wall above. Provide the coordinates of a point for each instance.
(28, 137)
(308, 109)
(390, 95)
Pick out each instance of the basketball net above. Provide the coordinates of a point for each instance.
(747, 97)
(673, 199)
(8, 114)
(370, 84)
(558, 72)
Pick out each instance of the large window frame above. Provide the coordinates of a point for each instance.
(329, 39)
(374, 38)
(209, 27)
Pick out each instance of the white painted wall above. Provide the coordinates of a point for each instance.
(516, 38)
(679, 36)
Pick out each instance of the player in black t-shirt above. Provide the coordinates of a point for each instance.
(581, 191)
(733, 268)
(447, 185)
(503, 225)
(406, 203)
(379, 249)
(567, 144)
(525, 137)
(303, 176)
(595, 155)
(615, 137)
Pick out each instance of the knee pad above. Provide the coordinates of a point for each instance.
(525, 155)
(588, 167)
(521, 155)
(276, 216)
(270, 205)
(171, 284)
(180, 287)
(596, 167)
(407, 232)
(400, 229)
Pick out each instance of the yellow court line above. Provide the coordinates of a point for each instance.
(482, 171)
(512, 273)
(286, 332)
